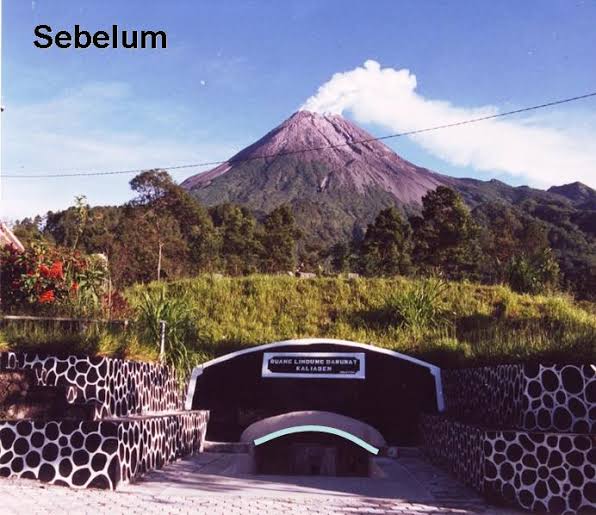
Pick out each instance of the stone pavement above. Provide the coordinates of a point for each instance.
(211, 483)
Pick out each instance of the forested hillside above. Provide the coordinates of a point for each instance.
(534, 243)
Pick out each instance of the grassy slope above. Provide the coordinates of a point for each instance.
(483, 324)
(480, 324)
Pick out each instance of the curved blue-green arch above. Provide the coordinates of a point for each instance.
(317, 429)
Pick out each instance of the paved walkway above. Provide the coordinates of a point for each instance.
(214, 484)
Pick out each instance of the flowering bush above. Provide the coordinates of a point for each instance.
(42, 277)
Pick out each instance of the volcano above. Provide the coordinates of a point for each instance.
(335, 176)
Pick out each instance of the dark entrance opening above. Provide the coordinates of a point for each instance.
(311, 454)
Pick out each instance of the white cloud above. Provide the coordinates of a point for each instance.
(97, 127)
(524, 147)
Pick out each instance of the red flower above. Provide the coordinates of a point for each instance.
(74, 287)
(47, 297)
(44, 270)
(56, 272)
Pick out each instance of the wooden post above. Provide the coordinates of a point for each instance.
(159, 262)
(162, 343)
(109, 277)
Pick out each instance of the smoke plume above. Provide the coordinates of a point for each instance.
(516, 146)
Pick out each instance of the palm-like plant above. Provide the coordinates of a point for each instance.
(157, 307)
(420, 306)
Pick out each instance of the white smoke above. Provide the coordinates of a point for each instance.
(516, 146)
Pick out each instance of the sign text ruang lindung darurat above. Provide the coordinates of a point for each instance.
(314, 364)
(116, 38)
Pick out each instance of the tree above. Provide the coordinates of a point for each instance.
(516, 249)
(160, 196)
(28, 230)
(153, 187)
(139, 236)
(340, 254)
(499, 239)
(279, 238)
(99, 231)
(446, 236)
(387, 245)
(238, 243)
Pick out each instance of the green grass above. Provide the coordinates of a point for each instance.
(451, 324)
(62, 339)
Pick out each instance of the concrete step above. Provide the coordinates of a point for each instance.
(227, 447)
(81, 410)
(244, 447)
(400, 452)
(34, 409)
(46, 394)
(23, 409)
(408, 452)
(14, 384)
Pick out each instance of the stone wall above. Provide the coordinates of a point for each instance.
(559, 398)
(520, 434)
(535, 471)
(488, 395)
(541, 471)
(98, 454)
(119, 387)
(455, 446)
(136, 421)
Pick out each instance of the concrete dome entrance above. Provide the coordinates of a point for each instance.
(313, 443)
(382, 389)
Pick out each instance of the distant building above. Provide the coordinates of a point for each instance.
(8, 238)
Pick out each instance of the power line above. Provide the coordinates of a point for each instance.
(309, 149)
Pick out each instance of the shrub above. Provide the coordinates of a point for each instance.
(537, 274)
(420, 305)
(45, 279)
(156, 306)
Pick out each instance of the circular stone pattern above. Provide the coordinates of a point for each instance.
(36, 455)
(557, 474)
(559, 398)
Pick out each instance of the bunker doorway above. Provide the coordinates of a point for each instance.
(379, 387)
(313, 443)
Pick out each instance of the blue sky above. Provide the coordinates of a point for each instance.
(233, 70)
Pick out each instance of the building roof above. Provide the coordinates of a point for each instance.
(8, 238)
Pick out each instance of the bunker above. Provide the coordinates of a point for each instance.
(355, 398)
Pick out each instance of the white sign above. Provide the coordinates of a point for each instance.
(314, 365)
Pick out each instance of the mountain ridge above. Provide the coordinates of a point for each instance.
(337, 177)
(577, 192)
